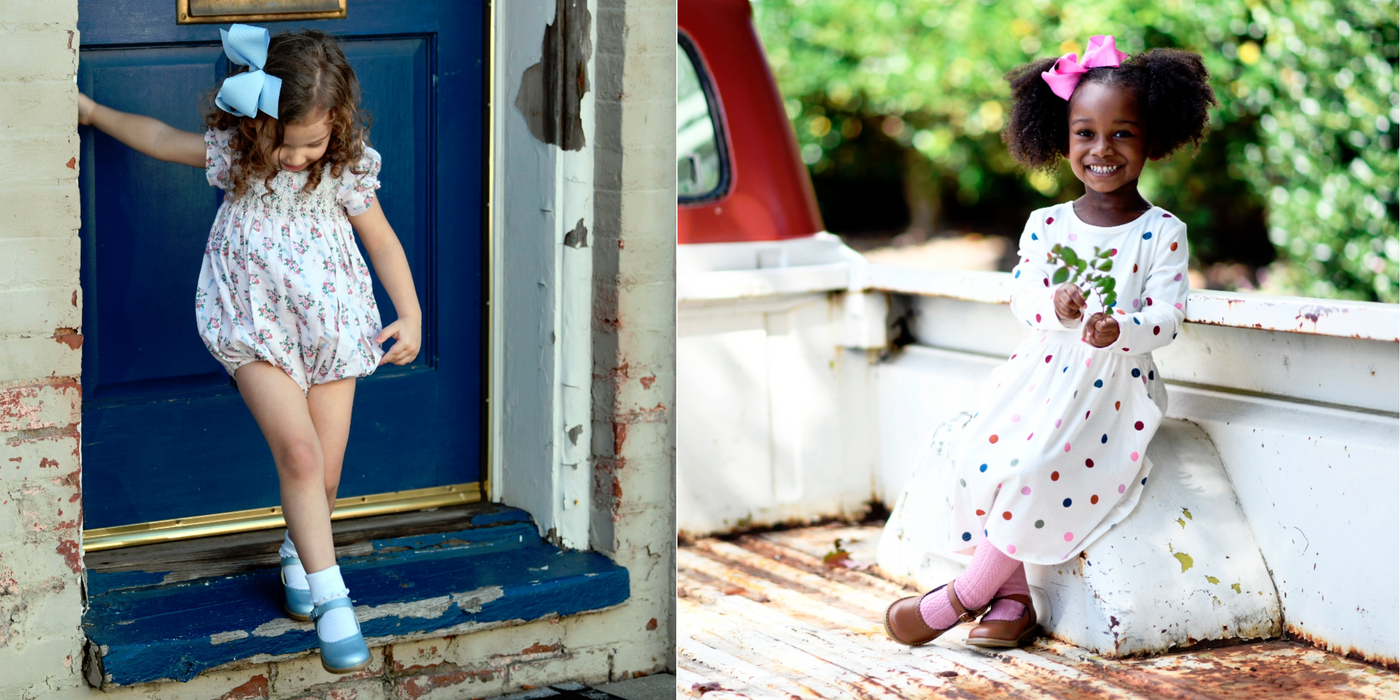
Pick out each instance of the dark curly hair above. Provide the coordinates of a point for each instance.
(1173, 91)
(315, 78)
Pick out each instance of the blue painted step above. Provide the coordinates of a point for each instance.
(498, 572)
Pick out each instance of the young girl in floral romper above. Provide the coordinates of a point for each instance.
(1056, 455)
(284, 300)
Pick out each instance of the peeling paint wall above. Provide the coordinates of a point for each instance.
(41, 569)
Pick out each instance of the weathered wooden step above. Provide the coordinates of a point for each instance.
(498, 571)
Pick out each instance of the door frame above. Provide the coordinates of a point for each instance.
(540, 441)
(538, 415)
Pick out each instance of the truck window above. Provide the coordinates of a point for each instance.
(701, 168)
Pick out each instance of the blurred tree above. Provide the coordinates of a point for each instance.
(1301, 165)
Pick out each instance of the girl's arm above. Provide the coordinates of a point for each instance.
(387, 256)
(149, 136)
(1033, 295)
(1162, 308)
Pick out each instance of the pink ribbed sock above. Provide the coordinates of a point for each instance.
(975, 586)
(1010, 609)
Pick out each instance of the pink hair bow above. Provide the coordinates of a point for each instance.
(1065, 74)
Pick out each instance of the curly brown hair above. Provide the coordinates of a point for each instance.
(1173, 91)
(316, 78)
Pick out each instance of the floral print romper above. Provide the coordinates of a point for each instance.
(282, 279)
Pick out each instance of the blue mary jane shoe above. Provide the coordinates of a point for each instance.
(296, 601)
(347, 655)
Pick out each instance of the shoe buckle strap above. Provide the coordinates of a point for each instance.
(963, 614)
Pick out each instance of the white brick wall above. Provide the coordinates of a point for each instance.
(40, 514)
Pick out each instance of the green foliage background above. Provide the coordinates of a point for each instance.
(1305, 135)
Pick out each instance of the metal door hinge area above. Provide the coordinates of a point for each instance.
(225, 11)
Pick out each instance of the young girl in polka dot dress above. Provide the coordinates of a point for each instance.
(284, 300)
(1056, 455)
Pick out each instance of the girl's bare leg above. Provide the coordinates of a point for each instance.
(283, 414)
(330, 405)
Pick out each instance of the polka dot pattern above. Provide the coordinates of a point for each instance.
(1043, 452)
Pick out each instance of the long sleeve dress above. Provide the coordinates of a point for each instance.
(1055, 455)
(282, 280)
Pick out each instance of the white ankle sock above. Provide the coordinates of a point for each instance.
(293, 574)
(339, 623)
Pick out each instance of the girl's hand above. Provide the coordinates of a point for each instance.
(408, 332)
(1101, 330)
(85, 109)
(1069, 302)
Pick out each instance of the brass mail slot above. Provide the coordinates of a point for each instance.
(226, 11)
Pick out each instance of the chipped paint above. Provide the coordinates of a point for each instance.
(551, 91)
(69, 336)
(223, 637)
(72, 554)
(578, 237)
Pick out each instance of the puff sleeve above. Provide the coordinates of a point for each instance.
(1162, 308)
(1033, 294)
(356, 191)
(218, 160)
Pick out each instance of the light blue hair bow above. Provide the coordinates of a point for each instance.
(244, 94)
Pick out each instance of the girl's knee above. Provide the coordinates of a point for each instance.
(301, 460)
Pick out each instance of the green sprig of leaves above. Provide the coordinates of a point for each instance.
(1088, 274)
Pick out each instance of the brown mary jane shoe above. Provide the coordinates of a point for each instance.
(1006, 633)
(904, 623)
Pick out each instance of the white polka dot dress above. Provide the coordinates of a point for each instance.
(1055, 455)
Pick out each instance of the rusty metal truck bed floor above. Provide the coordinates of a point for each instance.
(763, 617)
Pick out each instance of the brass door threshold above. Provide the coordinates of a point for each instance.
(102, 538)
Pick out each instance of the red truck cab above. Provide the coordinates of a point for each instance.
(740, 176)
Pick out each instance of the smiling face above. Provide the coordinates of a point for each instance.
(1107, 148)
(304, 143)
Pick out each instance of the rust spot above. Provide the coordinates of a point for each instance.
(256, 687)
(72, 163)
(616, 488)
(651, 624)
(648, 381)
(1390, 664)
(69, 336)
(548, 99)
(71, 554)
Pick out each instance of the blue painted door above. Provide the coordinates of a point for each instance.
(165, 434)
